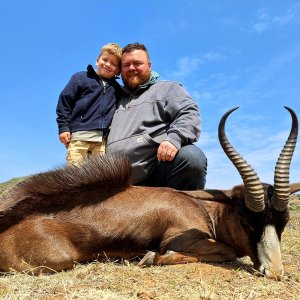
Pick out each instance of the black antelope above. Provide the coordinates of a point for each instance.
(54, 219)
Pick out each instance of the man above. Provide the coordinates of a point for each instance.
(155, 125)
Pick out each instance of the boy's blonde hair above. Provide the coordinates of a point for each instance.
(113, 49)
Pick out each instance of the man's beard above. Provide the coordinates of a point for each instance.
(135, 82)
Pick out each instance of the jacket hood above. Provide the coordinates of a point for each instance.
(153, 78)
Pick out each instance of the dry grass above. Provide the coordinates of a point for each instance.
(113, 280)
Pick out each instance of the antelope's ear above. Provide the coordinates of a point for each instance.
(238, 192)
(294, 187)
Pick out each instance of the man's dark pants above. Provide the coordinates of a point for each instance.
(186, 172)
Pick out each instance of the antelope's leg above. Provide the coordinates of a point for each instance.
(39, 245)
(170, 258)
(206, 250)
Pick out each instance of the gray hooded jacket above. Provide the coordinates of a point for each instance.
(158, 111)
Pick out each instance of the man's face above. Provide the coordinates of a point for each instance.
(136, 68)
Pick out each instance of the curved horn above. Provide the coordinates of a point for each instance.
(254, 193)
(282, 169)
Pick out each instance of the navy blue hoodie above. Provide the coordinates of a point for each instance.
(85, 103)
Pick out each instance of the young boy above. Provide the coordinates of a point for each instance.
(87, 104)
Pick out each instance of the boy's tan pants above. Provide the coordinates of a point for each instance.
(79, 150)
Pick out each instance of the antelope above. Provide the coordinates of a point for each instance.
(71, 214)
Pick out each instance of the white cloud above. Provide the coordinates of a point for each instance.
(291, 14)
(266, 21)
(260, 27)
(207, 140)
(266, 72)
(203, 96)
(188, 64)
(262, 14)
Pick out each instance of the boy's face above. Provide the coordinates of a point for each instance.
(108, 65)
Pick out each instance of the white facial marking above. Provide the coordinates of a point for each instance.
(269, 253)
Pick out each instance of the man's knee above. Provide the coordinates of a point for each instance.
(193, 157)
(191, 162)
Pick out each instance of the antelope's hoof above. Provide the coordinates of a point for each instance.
(147, 260)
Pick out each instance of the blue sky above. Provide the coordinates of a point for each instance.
(225, 53)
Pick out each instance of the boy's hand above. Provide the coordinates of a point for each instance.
(166, 151)
(65, 138)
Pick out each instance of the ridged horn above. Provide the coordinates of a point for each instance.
(254, 193)
(282, 169)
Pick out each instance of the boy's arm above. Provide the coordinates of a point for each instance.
(65, 106)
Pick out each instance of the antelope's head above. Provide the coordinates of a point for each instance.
(264, 208)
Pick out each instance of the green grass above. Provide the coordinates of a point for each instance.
(10, 183)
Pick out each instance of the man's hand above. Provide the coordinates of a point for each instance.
(166, 151)
(65, 138)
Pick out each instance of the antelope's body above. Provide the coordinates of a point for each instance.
(54, 219)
